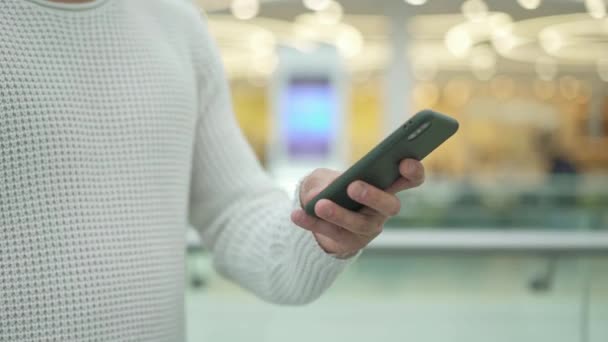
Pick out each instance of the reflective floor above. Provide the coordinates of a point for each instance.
(400, 297)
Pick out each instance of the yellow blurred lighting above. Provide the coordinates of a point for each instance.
(474, 10)
(502, 87)
(332, 14)
(316, 5)
(569, 87)
(529, 4)
(245, 9)
(457, 92)
(546, 68)
(602, 69)
(544, 90)
(416, 2)
(458, 42)
(426, 95)
(596, 8)
(584, 93)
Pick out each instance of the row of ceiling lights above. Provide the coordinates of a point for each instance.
(249, 9)
(458, 40)
(596, 8)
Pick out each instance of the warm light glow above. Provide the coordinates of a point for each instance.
(498, 21)
(264, 65)
(546, 68)
(584, 93)
(416, 2)
(426, 95)
(503, 40)
(544, 90)
(457, 92)
(596, 8)
(550, 40)
(569, 87)
(458, 42)
(483, 63)
(332, 14)
(349, 41)
(316, 5)
(263, 42)
(245, 9)
(575, 39)
(502, 87)
(529, 4)
(602, 69)
(474, 10)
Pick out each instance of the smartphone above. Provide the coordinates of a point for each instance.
(415, 139)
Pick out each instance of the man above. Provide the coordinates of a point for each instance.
(116, 132)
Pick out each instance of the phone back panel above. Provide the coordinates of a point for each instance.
(380, 167)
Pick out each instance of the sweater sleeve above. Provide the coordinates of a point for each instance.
(243, 217)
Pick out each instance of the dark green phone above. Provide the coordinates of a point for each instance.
(415, 139)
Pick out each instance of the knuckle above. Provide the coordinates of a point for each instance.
(371, 228)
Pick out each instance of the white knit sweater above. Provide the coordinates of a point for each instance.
(116, 132)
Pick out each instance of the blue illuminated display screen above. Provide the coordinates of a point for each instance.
(308, 113)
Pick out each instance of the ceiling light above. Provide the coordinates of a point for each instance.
(529, 4)
(458, 41)
(331, 15)
(316, 5)
(550, 40)
(349, 41)
(596, 8)
(245, 9)
(503, 40)
(416, 2)
(474, 10)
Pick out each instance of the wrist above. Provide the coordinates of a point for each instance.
(337, 255)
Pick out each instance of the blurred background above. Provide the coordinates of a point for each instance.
(507, 240)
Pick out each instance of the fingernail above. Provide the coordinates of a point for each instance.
(328, 212)
(362, 190)
(298, 215)
(412, 167)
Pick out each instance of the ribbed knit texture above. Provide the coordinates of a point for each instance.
(116, 132)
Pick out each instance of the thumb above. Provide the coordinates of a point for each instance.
(314, 183)
(308, 194)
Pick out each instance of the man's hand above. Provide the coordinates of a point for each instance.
(344, 232)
